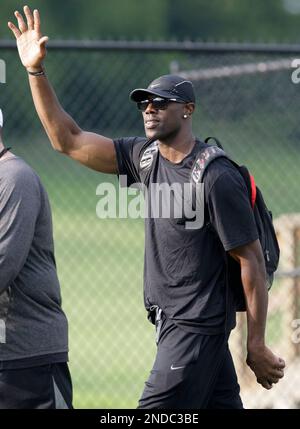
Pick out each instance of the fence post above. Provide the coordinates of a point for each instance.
(288, 233)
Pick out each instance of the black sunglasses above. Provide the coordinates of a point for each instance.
(158, 103)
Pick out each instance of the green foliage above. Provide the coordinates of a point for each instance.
(247, 20)
(233, 20)
(89, 19)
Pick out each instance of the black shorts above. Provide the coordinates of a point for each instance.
(191, 371)
(41, 387)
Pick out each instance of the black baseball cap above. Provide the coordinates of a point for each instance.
(167, 86)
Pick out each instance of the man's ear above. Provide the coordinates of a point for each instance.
(189, 108)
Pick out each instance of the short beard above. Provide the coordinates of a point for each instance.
(166, 138)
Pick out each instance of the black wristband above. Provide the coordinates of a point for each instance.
(39, 73)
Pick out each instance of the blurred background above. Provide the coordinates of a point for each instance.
(218, 20)
(238, 55)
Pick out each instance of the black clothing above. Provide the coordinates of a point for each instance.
(184, 271)
(41, 387)
(191, 371)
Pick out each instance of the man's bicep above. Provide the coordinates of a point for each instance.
(94, 151)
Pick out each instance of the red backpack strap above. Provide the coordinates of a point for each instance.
(253, 190)
(249, 182)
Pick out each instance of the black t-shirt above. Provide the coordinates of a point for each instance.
(184, 269)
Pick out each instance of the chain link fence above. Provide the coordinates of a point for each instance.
(248, 100)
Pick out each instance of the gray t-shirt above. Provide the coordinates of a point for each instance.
(32, 322)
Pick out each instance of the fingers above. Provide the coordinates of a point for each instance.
(33, 23)
(21, 22)
(29, 17)
(14, 29)
(37, 20)
(272, 378)
(279, 373)
(265, 383)
(43, 41)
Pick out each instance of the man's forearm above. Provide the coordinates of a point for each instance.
(267, 367)
(256, 295)
(59, 126)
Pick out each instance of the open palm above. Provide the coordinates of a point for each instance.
(31, 44)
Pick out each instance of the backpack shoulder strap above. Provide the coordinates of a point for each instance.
(147, 155)
(206, 155)
(217, 142)
(249, 182)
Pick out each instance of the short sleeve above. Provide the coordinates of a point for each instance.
(128, 150)
(230, 210)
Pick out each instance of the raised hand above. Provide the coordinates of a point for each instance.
(31, 45)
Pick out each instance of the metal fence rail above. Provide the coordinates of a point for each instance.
(100, 261)
(160, 46)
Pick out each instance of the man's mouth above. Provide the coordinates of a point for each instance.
(151, 123)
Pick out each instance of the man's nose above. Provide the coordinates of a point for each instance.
(150, 108)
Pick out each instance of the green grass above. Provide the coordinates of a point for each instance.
(111, 341)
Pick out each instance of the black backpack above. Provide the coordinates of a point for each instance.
(262, 215)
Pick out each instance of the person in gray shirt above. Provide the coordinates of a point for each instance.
(33, 327)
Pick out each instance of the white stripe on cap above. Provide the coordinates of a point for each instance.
(1, 118)
(184, 81)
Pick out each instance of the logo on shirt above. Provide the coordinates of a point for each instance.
(176, 367)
